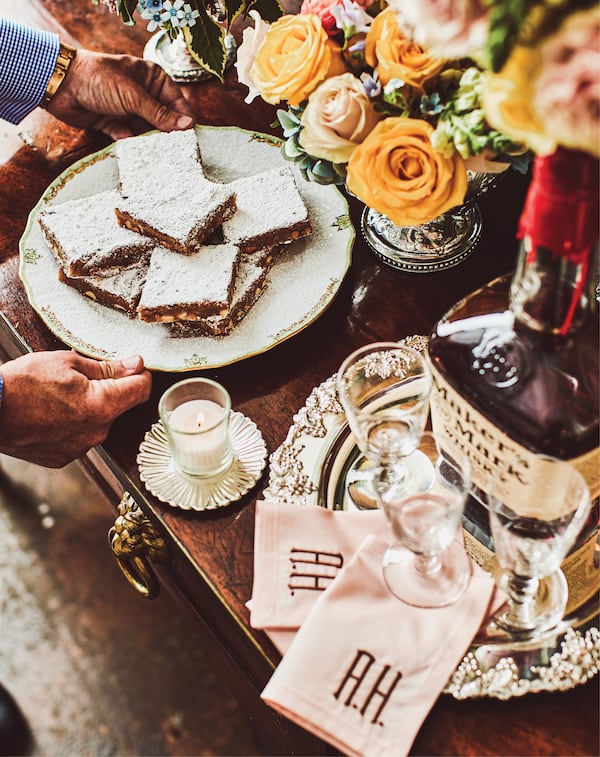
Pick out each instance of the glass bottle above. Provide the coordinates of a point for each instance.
(515, 364)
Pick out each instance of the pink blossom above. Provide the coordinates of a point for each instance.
(566, 95)
(322, 9)
(447, 28)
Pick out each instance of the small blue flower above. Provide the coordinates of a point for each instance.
(189, 16)
(154, 5)
(371, 84)
(154, 19)
(431, 105)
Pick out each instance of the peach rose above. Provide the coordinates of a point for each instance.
(397, 57)
(397, 172)
(337, 118)
(295, 57)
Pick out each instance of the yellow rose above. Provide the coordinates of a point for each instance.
(507, 99)
(295, 56)
(395, 56)
(337, 118)
(397, 172)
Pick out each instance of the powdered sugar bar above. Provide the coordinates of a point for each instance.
(153, 164)
(86, 239)
(269, 211)
(121, 290)
(249, 285)
(164, 193)
(188, 287)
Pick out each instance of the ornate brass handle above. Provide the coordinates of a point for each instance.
(135, 542)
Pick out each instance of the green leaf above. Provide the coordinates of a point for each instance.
(291, 150)
(289, 123)
(269, 10)
(125, 8)
(233, 9)
(206, 43)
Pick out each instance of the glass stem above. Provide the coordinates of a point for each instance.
(389, 477)
(521, 601)
(427, 565)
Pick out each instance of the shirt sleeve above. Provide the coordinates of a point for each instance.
(27, 60)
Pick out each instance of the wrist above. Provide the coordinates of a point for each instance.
(65, 57)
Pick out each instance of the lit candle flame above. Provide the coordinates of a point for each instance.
(200, 419)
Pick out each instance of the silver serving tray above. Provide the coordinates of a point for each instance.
(309, 469)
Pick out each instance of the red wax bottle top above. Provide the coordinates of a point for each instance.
(561, 211)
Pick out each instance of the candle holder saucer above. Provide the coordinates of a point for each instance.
(169, 485)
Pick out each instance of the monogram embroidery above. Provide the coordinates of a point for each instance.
(364, 696)
(312, 570)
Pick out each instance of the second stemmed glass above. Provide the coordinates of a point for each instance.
(537, 508)
(428, 566)
(384, 388)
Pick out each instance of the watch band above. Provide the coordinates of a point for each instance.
(66, 54)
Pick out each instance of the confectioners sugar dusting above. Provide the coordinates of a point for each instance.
(266, 202)
(173, 156)
(88, 230)
(175, 280)
(178, 215)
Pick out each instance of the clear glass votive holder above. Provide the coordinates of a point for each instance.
(195, 413)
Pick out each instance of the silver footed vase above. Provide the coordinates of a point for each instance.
(436, 245)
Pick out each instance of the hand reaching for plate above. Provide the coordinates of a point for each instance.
(57, 405)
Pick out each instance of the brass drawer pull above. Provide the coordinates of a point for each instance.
(135, 543)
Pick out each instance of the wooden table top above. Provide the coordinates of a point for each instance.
(217, 548)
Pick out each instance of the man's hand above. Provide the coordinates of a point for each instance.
(56, 405)
(120, 95)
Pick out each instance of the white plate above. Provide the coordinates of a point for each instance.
(301, 284)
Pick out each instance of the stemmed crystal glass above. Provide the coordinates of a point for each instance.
(537, 508)
(384, 388)
(428, 566)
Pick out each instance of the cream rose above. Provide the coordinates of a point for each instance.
(294, 58)
(397, 172)
(252, 39)
(337, 118)
(395, 56)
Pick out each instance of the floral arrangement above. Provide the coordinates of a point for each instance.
(399, 101)
(202, 23)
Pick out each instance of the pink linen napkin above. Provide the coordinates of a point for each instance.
(298, 552)
(364, 669)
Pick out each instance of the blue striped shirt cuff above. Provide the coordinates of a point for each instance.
(27, 60)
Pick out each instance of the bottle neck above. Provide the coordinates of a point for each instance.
(554, 284)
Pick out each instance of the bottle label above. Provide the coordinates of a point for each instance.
(486, 446)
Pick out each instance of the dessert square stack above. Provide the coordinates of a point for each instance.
(170, 246)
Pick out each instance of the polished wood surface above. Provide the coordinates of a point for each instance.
(212, 553)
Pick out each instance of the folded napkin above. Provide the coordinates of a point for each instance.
(298, 552)
(364, 669)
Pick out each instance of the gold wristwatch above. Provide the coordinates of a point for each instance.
(66, 54)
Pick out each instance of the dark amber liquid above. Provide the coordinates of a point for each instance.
(550, 401)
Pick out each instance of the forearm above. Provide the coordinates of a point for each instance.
(27, 61)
